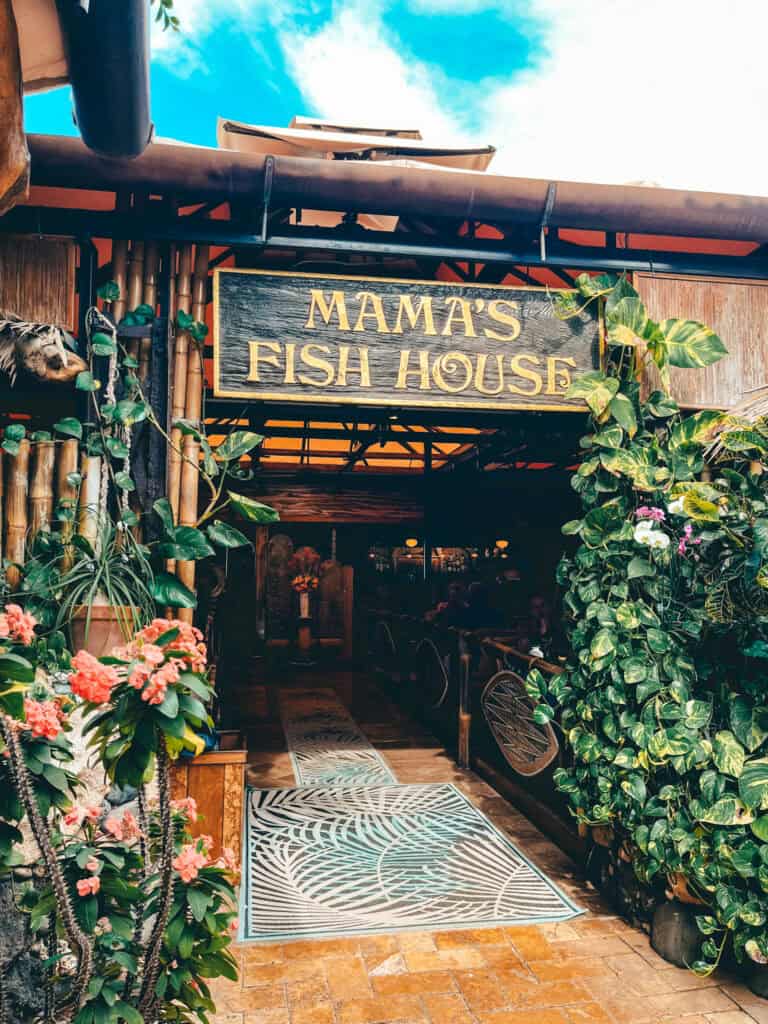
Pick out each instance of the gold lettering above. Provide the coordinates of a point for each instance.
(377, 312)
(256, 357)
(496, 313)
(461, 309)
(424, 308)
(325, 309)
(558, 378)
(344, 368)
(527, 374)
(290, 362)
(404, 371)
(449, 363)
(318, 364)
(480, 375)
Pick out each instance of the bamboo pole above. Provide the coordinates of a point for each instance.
(190, 477)
(2, 507)
(119, 276)
(90, 489)
(178, 395)
(41, 488)
(16, 511)
(66, 494)
(149, 298)
(135, 288)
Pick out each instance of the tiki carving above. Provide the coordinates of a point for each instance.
(41, 350)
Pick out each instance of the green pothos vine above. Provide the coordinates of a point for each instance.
(664, 702)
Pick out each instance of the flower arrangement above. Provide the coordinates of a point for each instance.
(303, 583)
(138, 914)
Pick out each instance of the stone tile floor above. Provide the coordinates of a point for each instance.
(595, 968)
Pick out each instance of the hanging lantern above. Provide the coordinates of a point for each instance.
(411, 542)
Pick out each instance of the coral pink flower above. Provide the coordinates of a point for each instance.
(228, 859)
(104, 925)
(188, 644)
(88, 886)
(189, 862)
(130, 826)
(43, 718)
(91, 680)
(17, 624)
(234, 925)
(154, 692)
(73, 818)
(93, 812)
(115, 828)
(92, 865)
(187, 807)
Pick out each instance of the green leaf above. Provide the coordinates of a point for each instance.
(70, 427)
(170, 705)
(743, 441)
(626, 321)
(603, 642)
(168, 589)
(753, 783)
(124, 481)
(760, 828)
(117, 448)
(691, 344)
(254, 511)
(14, 667)
(639, 567)
(728, 811)
(188, 545)
(700, 428)
(635, 670)
(102, 344)
(109, 291)
(85, 381)
(623, 411)
(596, 389)
(728, 754)
(198, 903)
(163, 509)
(699, 510)
(237, 444)
(226, 536)
(661, 406)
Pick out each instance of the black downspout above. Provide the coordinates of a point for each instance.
(107, 43)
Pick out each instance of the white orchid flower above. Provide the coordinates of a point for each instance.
(676, 507)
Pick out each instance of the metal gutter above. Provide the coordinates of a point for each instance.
(107, 44)
(198, 173)
(157, 226)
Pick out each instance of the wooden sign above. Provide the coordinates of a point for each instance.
(311, 338)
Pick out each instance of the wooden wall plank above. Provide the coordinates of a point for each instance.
(37, 279)
(737, 310)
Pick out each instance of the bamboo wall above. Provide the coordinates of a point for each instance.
(737, 311)
(37, 279)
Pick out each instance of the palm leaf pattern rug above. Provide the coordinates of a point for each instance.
(351, 852)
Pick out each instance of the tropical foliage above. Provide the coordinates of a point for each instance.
(663, 702)
(138, 915)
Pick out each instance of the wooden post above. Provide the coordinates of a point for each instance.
(89, 498)
(66, 493)
(194, 410)
(16, 511)
(261, 542)
(41, 488)
(135, 289)
(179, 392)
(348, 578)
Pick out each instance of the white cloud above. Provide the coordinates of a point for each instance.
(669, 91)
(349, 72)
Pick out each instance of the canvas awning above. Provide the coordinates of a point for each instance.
(313, 139)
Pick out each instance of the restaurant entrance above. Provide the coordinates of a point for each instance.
(412, 563)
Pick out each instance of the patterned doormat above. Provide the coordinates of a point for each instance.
(355, 860)
(325, 743)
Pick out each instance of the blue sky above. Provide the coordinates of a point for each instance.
(670, 92)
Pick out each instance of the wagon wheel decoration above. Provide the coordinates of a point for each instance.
(385, 651)
(527, 746)
(433, 679)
